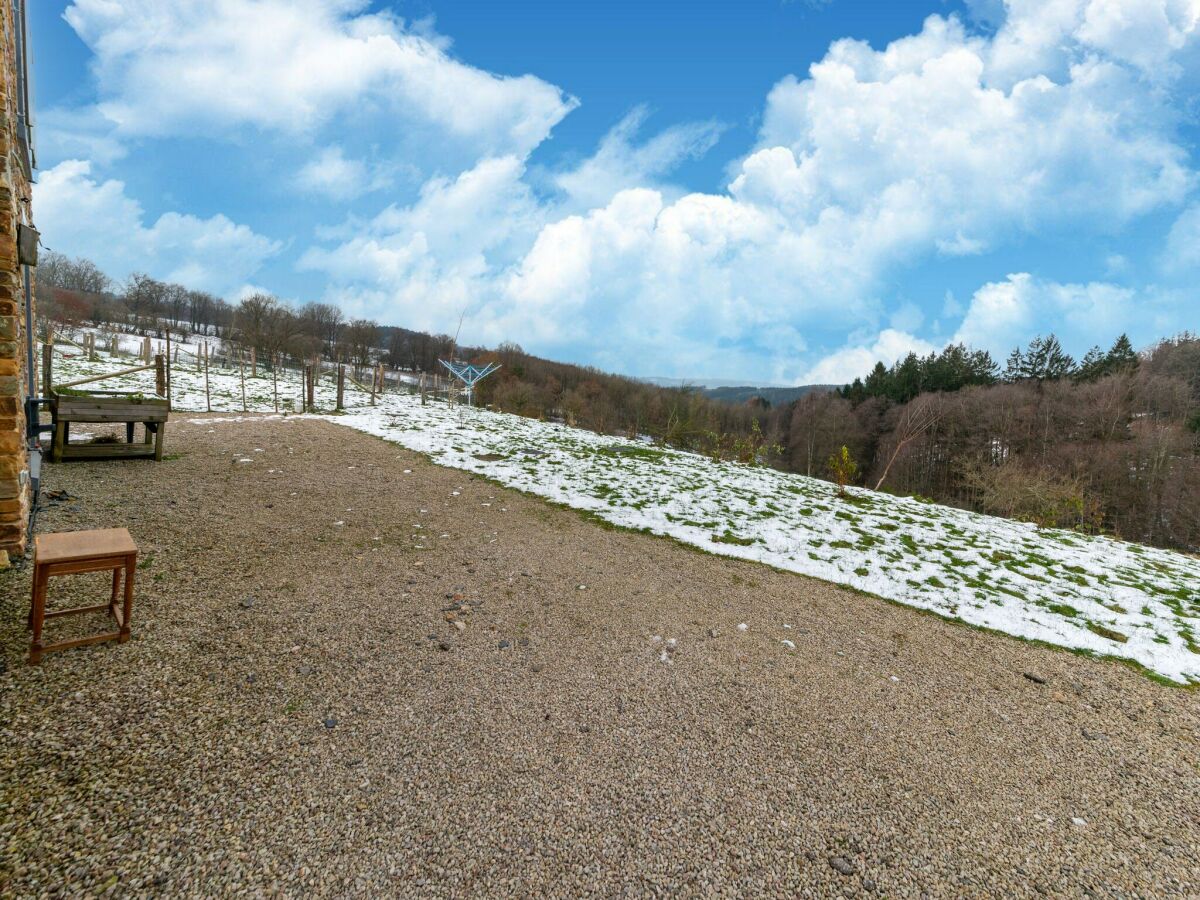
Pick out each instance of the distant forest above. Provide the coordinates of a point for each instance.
(775, 396)
(1106, 444)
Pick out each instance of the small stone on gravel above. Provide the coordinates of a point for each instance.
(331, 722)
(842, 865)
(1035, 678)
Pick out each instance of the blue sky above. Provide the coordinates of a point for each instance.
(761, 191)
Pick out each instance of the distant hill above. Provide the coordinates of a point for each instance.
(776, 396)
(734, 392)
(698, 383)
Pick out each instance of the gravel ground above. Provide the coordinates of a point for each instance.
(322, 698)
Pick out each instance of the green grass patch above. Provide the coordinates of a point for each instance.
(1107, 633)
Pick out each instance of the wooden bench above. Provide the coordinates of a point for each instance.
(71, 553)
(108, 406)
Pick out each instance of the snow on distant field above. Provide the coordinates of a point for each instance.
(1088, 593)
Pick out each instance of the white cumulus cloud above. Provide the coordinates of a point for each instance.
(848, 363)
(170, 67)
(95, 219)
(1005, 314)
(621, 162)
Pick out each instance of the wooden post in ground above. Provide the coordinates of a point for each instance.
(341, 385)
(312, 387)
(303, 386)
(114, 346)
(372, 388)
(253, 362)
(421, 378)
(200, 347)
(146, 350)
(242, 369)
(168, 363)
(275, 379)
(160, 375)
(207, 396)
(47, 366)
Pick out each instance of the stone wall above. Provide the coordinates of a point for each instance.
(14, 208)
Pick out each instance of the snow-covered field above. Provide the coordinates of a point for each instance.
(1088, 593)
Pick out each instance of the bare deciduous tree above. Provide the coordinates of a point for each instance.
(916, 417)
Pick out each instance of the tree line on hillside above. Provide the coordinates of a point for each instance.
(77, 292)
(1110, 444)
(1107, 444)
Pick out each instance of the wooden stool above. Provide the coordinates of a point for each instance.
(72, 552)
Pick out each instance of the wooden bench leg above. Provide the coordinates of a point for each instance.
(60, 439)
(129, 432)
(158, 440)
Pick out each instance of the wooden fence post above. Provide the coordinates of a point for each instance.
(253, 362)
(146, 349)
(207, 395)
(160, 375)
(312, 387)
(242, 369)
(341, 385)
(275, 379)
(47, 366)
(114, 346)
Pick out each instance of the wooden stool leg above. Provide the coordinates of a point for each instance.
(38, 613)
(116, 585)
(130, 565)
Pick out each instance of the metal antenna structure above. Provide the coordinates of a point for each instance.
(468, 374)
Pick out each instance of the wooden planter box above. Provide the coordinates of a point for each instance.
(99, 407)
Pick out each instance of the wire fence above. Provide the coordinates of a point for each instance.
(295, 380)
